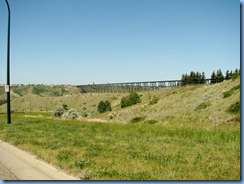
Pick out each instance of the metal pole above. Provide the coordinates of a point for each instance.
(8, 69)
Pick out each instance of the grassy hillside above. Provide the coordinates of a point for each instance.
(188, 133)
(204, 103)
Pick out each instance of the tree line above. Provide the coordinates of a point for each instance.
(216, 77)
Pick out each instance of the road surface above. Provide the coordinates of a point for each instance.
(16, 164)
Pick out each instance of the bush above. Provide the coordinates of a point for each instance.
(104, 106)
(231, 91)
(59, 111)
(234, 108)
(137, 119)
(84, 114)
(203, 105)
(154, 100)
(132, 99)
(71, 114)
(65, 106)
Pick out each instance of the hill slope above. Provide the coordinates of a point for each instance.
(203, 103)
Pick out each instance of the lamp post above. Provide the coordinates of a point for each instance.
(7, 88)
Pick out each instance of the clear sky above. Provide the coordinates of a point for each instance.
(101, 41)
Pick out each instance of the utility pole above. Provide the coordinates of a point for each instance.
(7, 87)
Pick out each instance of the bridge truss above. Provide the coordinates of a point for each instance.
(131, 86)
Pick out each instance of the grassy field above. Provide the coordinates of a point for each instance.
(179, 150)
(187, 133)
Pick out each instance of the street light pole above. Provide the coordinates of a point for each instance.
(8, 69)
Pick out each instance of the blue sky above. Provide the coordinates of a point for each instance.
(101, 41)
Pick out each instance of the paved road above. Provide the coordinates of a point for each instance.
(16, 164)
(6, 174)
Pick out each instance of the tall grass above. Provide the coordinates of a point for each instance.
(133, 151)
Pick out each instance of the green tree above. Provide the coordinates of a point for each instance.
(184, 79)
(227, 75)
(219, 76)
(235, 74)
(213, 78)
(202, 81)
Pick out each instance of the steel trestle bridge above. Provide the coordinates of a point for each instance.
(131, 86)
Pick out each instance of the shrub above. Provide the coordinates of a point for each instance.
(154, 100)
(234, 108)
(65, 106)
(203, 105)
(38, 90)
(132, 99)
(59, 111)
(84, 114)
(71, 114)
(137, 119)
(104, 106)
(231, 91)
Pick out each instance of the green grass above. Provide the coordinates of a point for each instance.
(180, 150)
(20, 90)
(189, 133)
